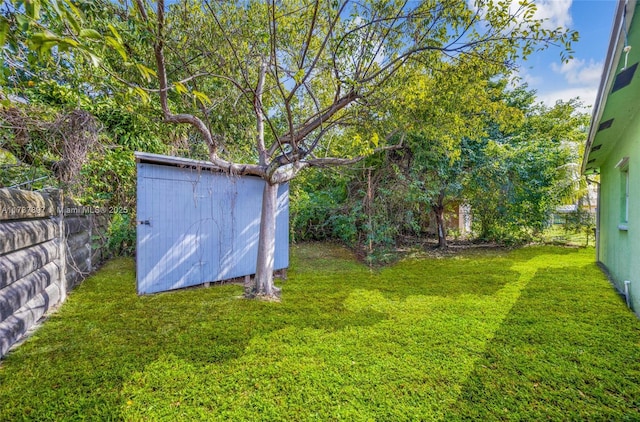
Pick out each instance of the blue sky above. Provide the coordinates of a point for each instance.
(545, 72)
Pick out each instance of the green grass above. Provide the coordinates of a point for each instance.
(556, 234)
(530, 334)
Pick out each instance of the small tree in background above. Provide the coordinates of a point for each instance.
(452, 109)
(521, 175)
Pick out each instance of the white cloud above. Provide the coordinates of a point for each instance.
(554, 12)
(586, 94)
(581, 79)
(524, 77)
(577, 78)
(579, 72)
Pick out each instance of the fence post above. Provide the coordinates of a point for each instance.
(58, 196)
(92, 221)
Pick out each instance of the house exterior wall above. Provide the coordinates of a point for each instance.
(619, 240)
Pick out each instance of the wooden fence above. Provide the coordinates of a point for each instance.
(47, 246)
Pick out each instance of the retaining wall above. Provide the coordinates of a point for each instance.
(48, 245)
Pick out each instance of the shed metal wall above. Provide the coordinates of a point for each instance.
(197, 226)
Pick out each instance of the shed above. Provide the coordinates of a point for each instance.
(197, 224)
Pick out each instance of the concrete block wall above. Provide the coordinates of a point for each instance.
(44, 253)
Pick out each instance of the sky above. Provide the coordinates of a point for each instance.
(545, 72)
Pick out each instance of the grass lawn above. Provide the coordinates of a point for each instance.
(530, 334)
(557, 235)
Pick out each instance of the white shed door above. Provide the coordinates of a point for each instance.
(197, 226)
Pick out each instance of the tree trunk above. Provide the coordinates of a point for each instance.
(442, 228)
(263, 281)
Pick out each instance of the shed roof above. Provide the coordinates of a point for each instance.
(166, 160)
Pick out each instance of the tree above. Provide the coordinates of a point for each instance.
(520, 175)
(452, 109)
(303, 69)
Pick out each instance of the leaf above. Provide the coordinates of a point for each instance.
(202, 97)
(69, 41)
(145, 71)
(38, 39)
(180, 88)
(56, 7)
(32, 7)
(298, 76)
(115, 33)
(91, 33)
(95, 60)
(144, 95)
(4, 30)
(375, 139)
(73, 9)
(73, 22)
(73, 16)
(23, 22)
(117, 46)
(45, 47)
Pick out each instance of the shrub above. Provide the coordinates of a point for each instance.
(121, 236)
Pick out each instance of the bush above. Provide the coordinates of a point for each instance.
(121, 236)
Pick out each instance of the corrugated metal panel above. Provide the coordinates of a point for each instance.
(200, 226)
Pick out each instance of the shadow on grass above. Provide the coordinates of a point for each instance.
(480, 276)
(209, 325)
(481, 271)
(109, 333)
(556, 357)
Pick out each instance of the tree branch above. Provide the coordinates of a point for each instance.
(333, 161)
(188, 118)
(317, 120)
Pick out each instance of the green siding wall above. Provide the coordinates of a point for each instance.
(620, 249)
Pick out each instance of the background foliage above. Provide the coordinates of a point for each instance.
(513, 175)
